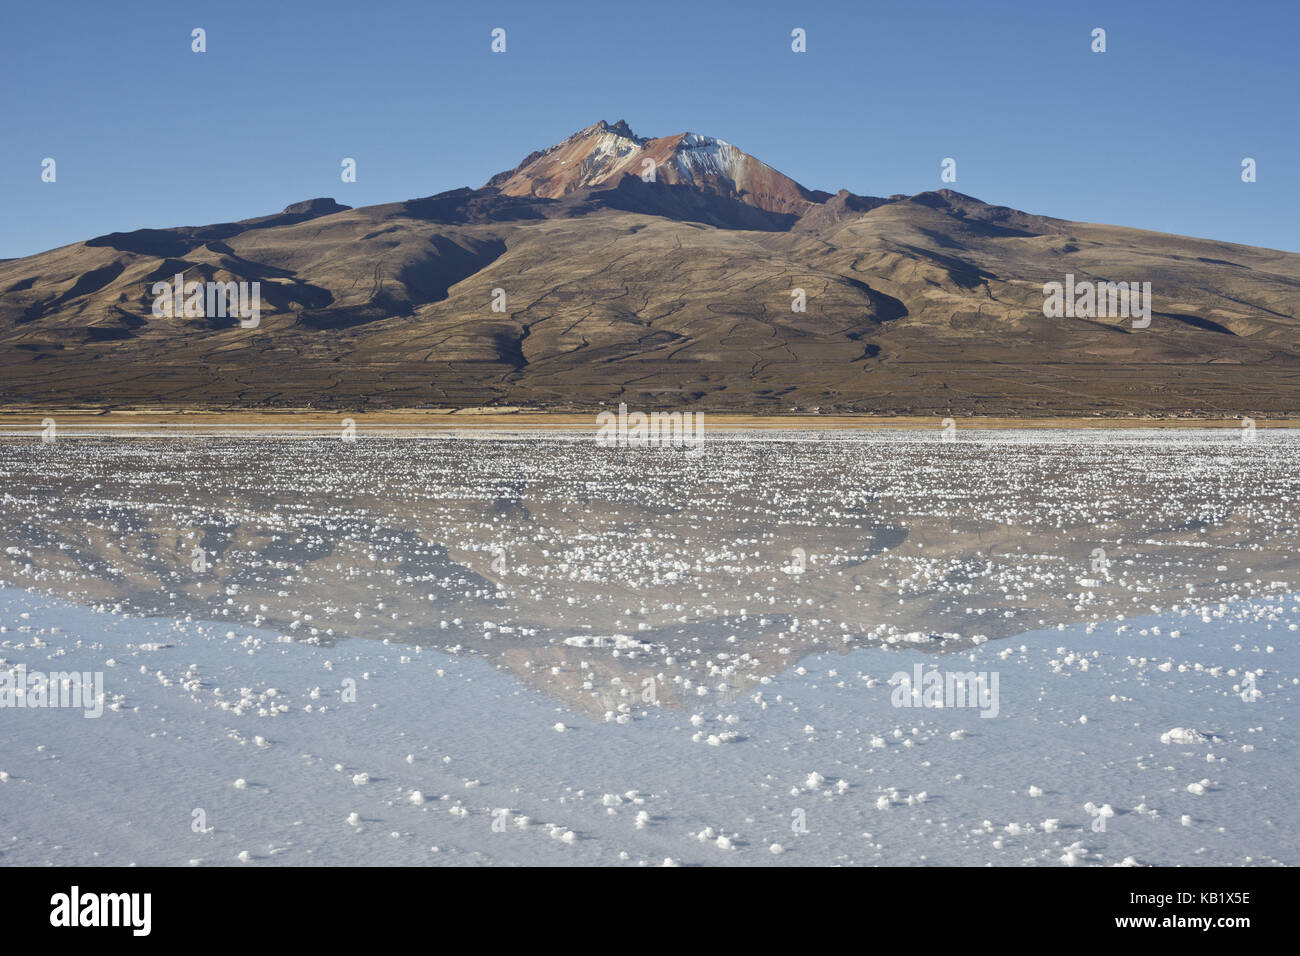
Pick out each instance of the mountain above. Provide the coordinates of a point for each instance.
(573, 280)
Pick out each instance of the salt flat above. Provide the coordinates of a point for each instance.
(360, 652)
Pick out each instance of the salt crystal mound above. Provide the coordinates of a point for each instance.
(633, 577)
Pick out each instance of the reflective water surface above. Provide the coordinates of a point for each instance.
(675, 575)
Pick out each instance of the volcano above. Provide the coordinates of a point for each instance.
(676, 271)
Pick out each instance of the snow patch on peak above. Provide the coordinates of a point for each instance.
(705, 156)
(699, 139)
(611, 144)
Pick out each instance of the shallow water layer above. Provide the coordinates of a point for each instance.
(720, 634)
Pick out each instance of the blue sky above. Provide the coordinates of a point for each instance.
(146, 133)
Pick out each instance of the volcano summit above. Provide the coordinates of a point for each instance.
(601, 155)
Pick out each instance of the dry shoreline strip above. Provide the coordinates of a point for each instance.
(471, 419)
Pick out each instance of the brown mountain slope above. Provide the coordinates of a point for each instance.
(663, 293)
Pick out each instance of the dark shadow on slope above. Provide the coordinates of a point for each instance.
(885, 307)
(686, 203)
(92, 281)
(465, 205)
(962, 273)
(419, 280)
(1196, 322)
(429, 277)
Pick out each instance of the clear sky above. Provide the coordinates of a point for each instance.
(146, 133)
